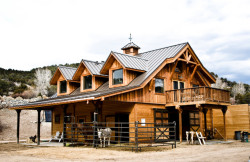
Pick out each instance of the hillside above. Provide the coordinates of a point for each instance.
(14, 82)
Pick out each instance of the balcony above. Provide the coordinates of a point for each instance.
(197, 95)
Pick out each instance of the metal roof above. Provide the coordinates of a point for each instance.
(129, 45)
(94, 66)
(67, 72)
(91, 94)
(155, 59)
(151, 59)
(132, 62)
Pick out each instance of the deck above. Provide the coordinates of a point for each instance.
(197, 95)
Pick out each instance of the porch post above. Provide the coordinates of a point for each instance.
(224, 110)
(18, 125)
(97, 113)
(64, 123)
(38, 125)
(200, 116)
(180, 123)
(205, 120)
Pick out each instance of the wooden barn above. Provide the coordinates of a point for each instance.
(158, 86)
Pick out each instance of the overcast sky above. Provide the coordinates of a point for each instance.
(37, 33)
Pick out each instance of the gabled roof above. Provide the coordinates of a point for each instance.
(93, 66)
(155, 59)
(129, 45)
(67, 73)
(131, 62)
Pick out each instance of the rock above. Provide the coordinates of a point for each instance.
(4, 104)
(45, 97)
(19, 98)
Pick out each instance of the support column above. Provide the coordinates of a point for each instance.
(200, 116)
(205, 120)
(180, 123)
(97, 114)
(18, 125)
(64, 123)
(38, 125)
(224, 110)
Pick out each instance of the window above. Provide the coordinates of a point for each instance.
(178, 85)
(195, 85)
(63, 86)
(57, 119)
(194, 119)
(117, 76)
(87, 82)
(159, 85)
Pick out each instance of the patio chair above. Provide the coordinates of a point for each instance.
(200, 138)
(57, 137)
(191, 140)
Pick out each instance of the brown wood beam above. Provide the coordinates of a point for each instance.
(185, 54)
(18, 125)
(224, 110)
(189, 58)
(202, 78)
(180, 110)
(192, 75)
(205, 120)
(173, 70)
(151, 84)
(187, 61)
(38, 125)
(200, 116)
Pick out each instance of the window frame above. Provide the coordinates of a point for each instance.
(83, 82)
(162, 87)
(113, 76)
(196, 120)
(66, 89)
(178, 84)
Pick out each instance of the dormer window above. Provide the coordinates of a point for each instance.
(87, 82)
(117, 76)
(63, 86)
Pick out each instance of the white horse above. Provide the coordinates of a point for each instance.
(104, 134)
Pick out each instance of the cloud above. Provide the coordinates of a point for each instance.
(45, 32)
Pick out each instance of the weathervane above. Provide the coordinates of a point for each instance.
(130, 38)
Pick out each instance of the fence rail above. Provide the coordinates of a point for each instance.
(124, 134)
(198, 94)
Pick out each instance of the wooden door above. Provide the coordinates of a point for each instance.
(161, 130)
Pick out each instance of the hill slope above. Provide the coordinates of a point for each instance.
(16, 81)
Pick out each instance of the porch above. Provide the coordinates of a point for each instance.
(197, 95)
(192, 109)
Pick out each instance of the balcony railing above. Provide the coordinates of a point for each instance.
(198, 94)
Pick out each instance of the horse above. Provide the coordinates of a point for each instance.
(103, 134)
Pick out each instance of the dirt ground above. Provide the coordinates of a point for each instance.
(28, 125)
(236, 151)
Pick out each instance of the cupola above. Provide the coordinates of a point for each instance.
(131, 48)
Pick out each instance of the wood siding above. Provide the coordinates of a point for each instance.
(237, 119)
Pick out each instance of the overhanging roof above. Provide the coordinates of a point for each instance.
(152, 59)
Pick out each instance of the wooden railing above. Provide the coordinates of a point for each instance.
(198, 94)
